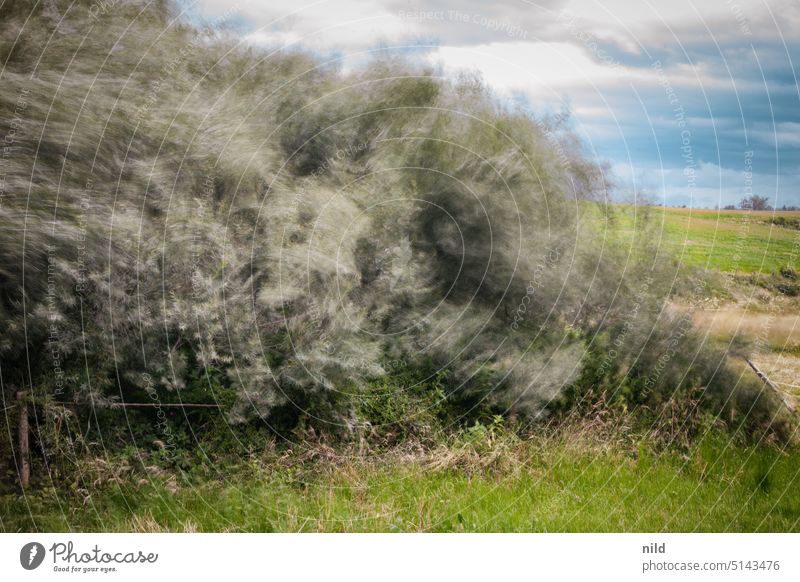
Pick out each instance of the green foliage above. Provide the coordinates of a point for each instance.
(786, 222)
(409, 402)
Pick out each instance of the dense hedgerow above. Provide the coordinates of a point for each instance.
(188, 218)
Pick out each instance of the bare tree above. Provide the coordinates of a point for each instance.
(755, 202)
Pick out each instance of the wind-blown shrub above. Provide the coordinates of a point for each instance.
(173, 199)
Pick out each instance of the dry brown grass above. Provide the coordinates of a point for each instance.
(783, 369)
(778, 330)
(146, 523)
(767, 325)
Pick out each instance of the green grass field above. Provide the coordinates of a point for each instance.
(536, 486)
(734, 241)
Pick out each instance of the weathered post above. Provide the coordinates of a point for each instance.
(780, 393)
(24, 444)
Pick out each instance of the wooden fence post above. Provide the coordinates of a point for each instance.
(24, 443)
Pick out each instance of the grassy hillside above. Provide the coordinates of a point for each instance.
(734, 241)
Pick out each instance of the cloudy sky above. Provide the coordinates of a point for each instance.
(691, 102)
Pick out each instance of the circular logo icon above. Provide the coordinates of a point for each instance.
(31, 555)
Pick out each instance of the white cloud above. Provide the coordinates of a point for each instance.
(540, 67)
(321, 24)
(785, 134)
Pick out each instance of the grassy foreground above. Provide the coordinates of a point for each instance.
(536, 485)
(733, 241)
